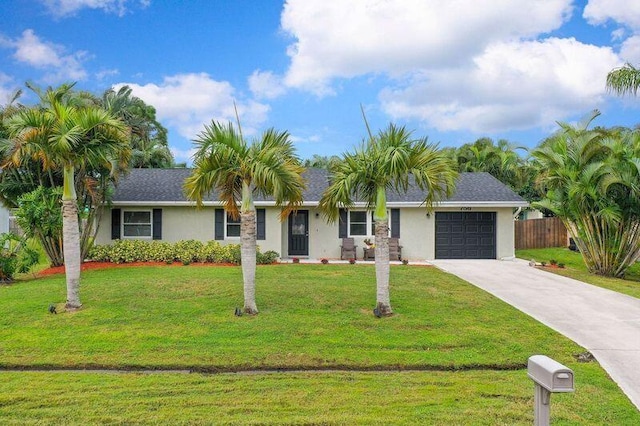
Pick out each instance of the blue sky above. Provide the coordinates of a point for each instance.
(451, 70)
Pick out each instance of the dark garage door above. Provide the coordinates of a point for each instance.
(465, 235)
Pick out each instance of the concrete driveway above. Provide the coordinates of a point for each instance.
(606, 323)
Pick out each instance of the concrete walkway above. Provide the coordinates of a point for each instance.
(604, 322)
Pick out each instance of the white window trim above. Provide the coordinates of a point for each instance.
(136, 237)
(369, 222)
(227, 237)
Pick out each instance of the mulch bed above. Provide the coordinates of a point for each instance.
(86, 266)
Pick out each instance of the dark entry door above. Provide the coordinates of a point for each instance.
(299, 233)
(465, 235)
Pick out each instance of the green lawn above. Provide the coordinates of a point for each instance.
(575, 268)
(451, 353)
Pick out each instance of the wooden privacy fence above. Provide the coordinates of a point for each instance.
(540, 233)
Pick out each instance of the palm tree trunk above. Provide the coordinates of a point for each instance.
(383, 301)
(248, 257)
(71, 250)
(71, 240)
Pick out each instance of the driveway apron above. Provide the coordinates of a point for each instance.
(604, 322)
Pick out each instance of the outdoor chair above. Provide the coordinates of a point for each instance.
(348, 249)
(395, 249)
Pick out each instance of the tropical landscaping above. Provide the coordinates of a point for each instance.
(316, 353)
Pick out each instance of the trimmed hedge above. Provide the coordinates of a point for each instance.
(185, 251)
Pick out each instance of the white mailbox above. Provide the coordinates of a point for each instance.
(550, 374)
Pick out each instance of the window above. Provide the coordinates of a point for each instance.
(357, 223)
(136, 224)
(362, 224)
(233, 227)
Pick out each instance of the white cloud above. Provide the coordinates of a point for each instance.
(266, 85)
(630, 50)
(58, 65)
(62, 8)
(7, 89)
(306, 139)
(188, 101)
(626, 12)
(101, 75)
(512, 85)
(347, 39)
(182, 155)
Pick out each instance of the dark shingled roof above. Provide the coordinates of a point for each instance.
(166, 185)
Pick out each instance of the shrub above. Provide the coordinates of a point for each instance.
(560, 265)
(15, 256)
(267, 258)
(553, 262)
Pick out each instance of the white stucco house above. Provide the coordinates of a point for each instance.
(476, 222)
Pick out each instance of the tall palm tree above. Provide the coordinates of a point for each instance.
(390, 161)
(624, 80)
(66, 137)
(224, 161)
(592, 182)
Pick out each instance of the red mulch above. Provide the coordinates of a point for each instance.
(106, 265)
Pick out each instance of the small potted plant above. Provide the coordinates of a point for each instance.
(295, 260)
(405, 261)
(369, 243)
(553, 262)
(324, 261)
(352, 261)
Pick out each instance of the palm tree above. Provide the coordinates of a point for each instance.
(624, 80)
(149, 144)
(62, 136)
(390, 161)
(501, 161)
(592, 182)
(268, 166)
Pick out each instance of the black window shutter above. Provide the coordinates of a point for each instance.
(261, 225)
(157, 224)
(219, 225)
(342, 224)
(395, 223)
(115, 224)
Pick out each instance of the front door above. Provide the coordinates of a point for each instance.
(299, 233)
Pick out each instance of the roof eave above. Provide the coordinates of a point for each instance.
(392, 204)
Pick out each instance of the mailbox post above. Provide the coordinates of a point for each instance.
(549, 376)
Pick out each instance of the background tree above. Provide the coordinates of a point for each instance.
(592, 182)
(321, 161)
(149, 145)
(501, 160)
(392, 160)
(64, 137)
(224, 161)
(94, 182)
(624, 80)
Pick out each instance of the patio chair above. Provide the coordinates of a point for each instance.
(348, 249)
(395, 249)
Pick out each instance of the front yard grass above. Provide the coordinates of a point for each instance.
(575, 268)
(468, 350)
